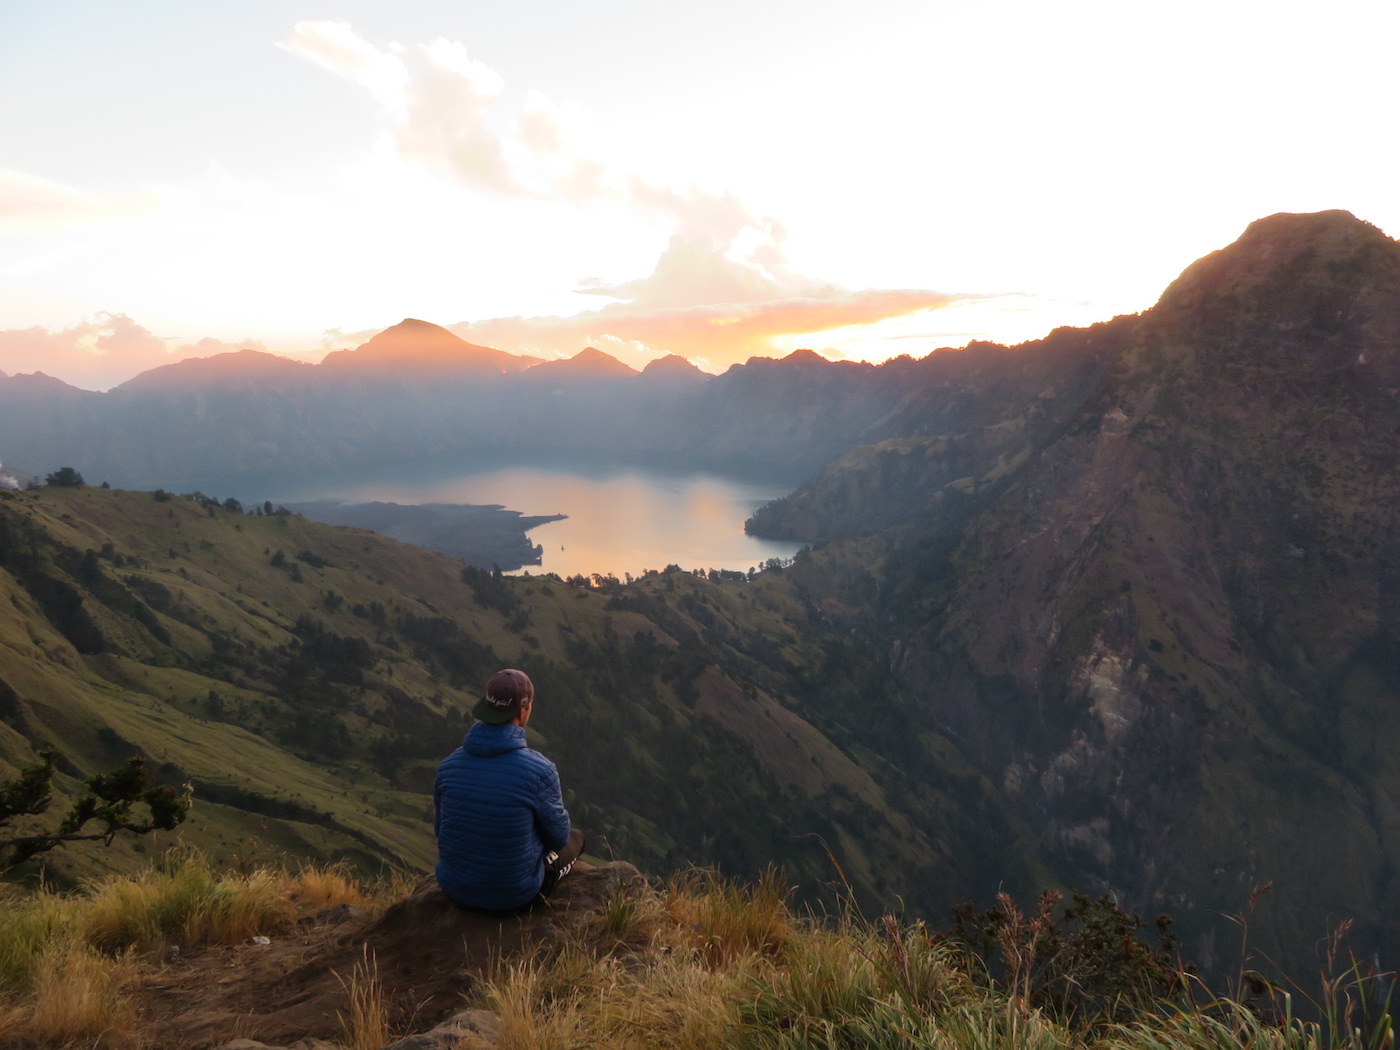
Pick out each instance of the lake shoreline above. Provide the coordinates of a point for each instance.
(587, 521)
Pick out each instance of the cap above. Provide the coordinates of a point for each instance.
(506, 693)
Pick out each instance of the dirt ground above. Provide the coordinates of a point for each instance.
(427, 951)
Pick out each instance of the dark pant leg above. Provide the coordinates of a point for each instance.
(556, 868)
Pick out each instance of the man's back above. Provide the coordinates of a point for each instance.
(498, 810)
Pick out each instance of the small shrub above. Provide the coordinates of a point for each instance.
(1089, 966)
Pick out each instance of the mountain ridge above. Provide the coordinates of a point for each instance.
(1179, 596)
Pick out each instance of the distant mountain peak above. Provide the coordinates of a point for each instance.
(797, 359)
(592, 357)
(414, 337)
(1288, 255)
(417, 345)
(588, 362)
(673, 366)
(412, 328)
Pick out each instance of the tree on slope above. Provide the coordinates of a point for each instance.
(107, 805)
(65, 477)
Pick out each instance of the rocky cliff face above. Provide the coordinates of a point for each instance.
(1168, 629)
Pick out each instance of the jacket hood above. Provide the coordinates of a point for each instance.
(485, 740)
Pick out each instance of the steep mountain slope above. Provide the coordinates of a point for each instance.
(958, 423)
(1169, 631)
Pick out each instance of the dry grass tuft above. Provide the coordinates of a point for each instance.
(677, 1003)
(726, 921)
(28, 925)
(570, 999)
(366, 1026)
(11, 1023)
(325, 887)
(630, 919)
(79, 994)
(241, 906)
(537, 1008)
(393, 888)
(184, 904)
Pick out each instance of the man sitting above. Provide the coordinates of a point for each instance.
(504, 838)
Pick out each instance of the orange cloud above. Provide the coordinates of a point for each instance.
(722, 334)
(100, 354)
(706, 300)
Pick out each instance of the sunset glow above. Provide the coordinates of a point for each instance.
(714, 180)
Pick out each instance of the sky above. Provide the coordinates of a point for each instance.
(719, 179)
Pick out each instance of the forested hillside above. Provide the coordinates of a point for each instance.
(307, 680)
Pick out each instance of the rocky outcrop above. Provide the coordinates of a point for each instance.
(465, 1030)
(425, 953)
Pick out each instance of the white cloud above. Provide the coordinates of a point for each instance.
(337, 47)
(29, 204)
(539, 127)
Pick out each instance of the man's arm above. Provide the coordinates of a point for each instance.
(551, 818)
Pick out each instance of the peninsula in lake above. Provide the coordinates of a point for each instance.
(485, 535)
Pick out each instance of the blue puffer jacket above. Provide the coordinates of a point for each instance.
(497, 810)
